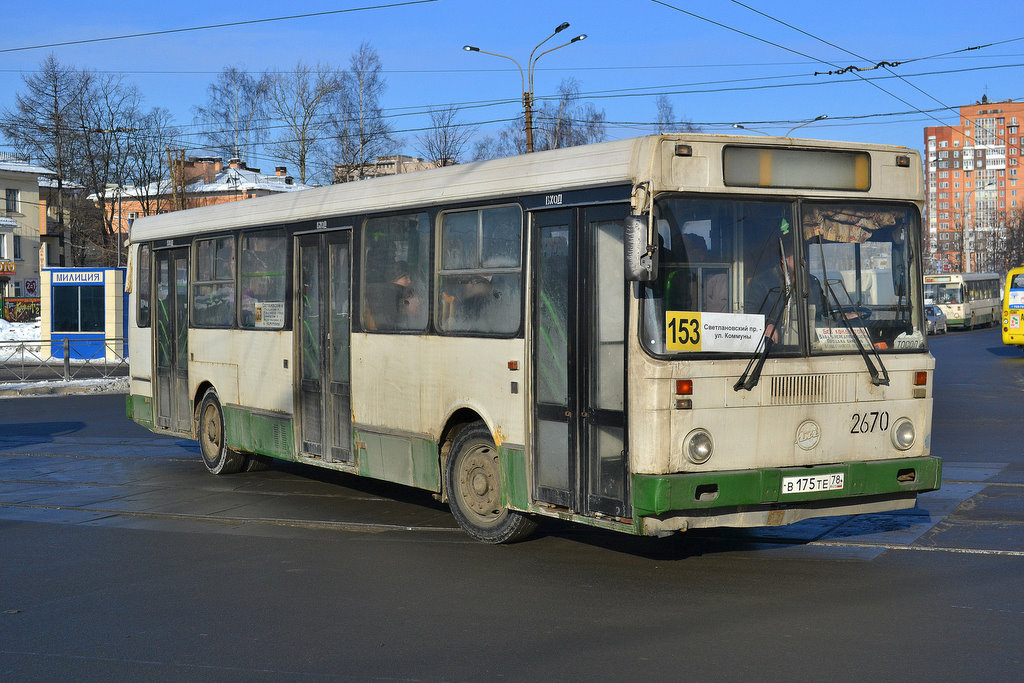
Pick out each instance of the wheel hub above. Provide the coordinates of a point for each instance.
(479, 481)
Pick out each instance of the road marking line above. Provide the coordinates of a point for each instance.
(924, 548)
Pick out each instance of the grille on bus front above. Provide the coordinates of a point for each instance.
(789, 390)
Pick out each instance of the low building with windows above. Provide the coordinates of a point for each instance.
(396, 164)
(197, 181)
(21, 223)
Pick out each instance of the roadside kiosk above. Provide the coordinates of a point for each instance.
(87, 307)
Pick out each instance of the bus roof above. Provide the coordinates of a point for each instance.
(620, 162)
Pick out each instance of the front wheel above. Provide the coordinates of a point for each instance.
(473, 485)
(218, 458)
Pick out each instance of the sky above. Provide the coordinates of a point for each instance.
(761, 64)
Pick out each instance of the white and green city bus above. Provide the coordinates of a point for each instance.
(966, 299)
(648, 335)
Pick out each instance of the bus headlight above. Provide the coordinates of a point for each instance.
(903, 434)
(698, 446)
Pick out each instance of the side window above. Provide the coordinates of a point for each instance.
(142, 287)
(213, 287)
(395, 285)
(480, 274)
(262, 279)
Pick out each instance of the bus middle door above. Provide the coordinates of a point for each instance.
(579, 326)
(171, 340)
(323, 336)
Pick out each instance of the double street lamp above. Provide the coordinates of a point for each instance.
(527, 78)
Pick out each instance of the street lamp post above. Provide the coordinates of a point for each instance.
(752, 130)
(526, 80)
(816, 118)
(968, 236)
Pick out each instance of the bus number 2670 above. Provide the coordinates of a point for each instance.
(867, 423)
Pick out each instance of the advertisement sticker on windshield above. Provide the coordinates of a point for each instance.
(716, 332)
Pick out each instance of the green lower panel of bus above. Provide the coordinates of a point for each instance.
(400, 459)
(661, 494)
(140, 409)
(254, 432)
(515, 490)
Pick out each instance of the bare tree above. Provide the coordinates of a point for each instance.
(566, 121)
(1009, 251)
(666, 115)
(360, 132)
(42, 126)
(106, 116)
(446, 140)
(300, 101)
(667, 121)
(234, 112)
(146, 168)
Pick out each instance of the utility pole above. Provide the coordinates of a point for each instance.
(527, 80)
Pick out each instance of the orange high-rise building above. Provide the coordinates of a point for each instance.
(973, 179)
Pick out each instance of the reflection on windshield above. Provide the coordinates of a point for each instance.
(725, 268)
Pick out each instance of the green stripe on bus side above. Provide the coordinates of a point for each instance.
(257, 433)
(400, 459)
(514, 490)
(661, 494)
(140, 409)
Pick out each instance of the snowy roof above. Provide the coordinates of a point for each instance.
(51, 182)
(226, 180)
(24, 167)
(239, 179)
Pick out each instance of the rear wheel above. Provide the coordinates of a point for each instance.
(473, 485)
(218, 458)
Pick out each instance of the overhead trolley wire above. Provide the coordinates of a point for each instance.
(148, 34)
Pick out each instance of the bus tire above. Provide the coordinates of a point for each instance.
(218, 458)
(256, 463)
(473, 486)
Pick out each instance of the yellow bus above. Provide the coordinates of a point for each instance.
(646, 335)
(1013, 308)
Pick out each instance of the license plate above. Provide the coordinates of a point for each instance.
(813, 482)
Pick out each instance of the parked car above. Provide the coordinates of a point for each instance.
(936, 319)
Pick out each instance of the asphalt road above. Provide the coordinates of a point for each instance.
(122, 559)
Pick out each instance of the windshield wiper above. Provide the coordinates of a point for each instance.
(752, 373)
(879, 375)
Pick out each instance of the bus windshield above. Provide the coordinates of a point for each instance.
(727, 278)
(944, 293)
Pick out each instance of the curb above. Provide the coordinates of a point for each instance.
(115, 385)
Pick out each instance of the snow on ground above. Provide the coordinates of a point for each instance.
(16, 346)
(15, 332)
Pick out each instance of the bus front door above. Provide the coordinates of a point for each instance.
(579, 332)
(171, 338)
(324, 325)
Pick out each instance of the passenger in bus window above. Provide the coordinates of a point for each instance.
(395, 303)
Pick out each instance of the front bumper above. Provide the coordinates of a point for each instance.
(761, 489)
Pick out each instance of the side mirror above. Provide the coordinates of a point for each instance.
(641, 257)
